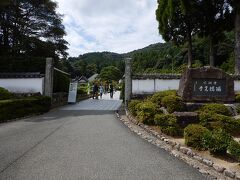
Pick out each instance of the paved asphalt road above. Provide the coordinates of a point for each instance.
(77, 144)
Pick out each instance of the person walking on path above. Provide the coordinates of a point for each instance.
(95, 91)
(101, 90)
(111, 90)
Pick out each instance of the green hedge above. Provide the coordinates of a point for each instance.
(193, 135)
(168, 124)
(157, 97)
(234, 149)
(146, 112)
(5, 94)
(217, 142)
(16, 108)
(217, 121)
(237, 98)
(132, 106)
(173, 103)
(216, 108)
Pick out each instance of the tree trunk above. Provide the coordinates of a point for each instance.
(237, 42)
(211, 51)
(189, 49)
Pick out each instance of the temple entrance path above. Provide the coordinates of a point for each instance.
(83, 141)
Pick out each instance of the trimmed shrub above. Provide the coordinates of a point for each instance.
(173, 103)
(157, 97)
(206, 117)
(193, 135)
(132, 106)
(234, 149)
(217, 141)
(217, 121)
(23, 107)
(5, 94)
(146, 112)
(237, 98)
(229, 124)
(216, 108)
(168, 124)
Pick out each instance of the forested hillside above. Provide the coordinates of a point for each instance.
(91, 63)
(159, 58)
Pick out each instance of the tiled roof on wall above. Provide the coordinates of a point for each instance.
(21, 75)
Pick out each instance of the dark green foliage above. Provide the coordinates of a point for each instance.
(193, 134)
(22, 64)
(132, 106)
(216, 121)
(60, 82)
(82, 91)
(96, 61)
(122, 92)
(110, 73)
(161, 57)
(5, 94)
(16, 108)
(31, 29)
(207, 117)
(168, 124)
(173, 103)
(217, 141)
(234, 149)
(158, 96)
(237, 98)
(146, 112)
(216, 108)
(230, 125)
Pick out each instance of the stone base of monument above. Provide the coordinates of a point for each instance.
(206, 84)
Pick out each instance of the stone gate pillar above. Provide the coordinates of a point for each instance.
(48, 80)
(128, 80)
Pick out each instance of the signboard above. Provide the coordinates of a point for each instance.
(72, 95)
(209, 87)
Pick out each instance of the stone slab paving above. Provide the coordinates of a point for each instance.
(95, 104)
(106, 103)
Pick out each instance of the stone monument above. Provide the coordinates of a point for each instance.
(206, 84)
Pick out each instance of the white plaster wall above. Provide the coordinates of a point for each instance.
(149, 86)
(166, 84)
(237, 85)
(23, 85)
(142, 86)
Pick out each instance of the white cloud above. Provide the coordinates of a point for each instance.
(109, 25)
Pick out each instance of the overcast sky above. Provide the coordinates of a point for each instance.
(109, 25)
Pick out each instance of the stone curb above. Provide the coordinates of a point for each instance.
(205, 166)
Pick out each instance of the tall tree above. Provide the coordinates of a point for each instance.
(31, 28)
(214, 21)
(236, 13)
(177, 22)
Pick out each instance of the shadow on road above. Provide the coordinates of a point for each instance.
(56, 115)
